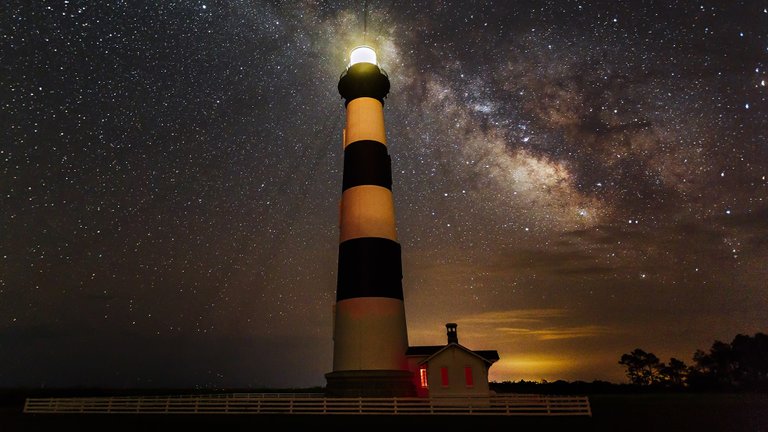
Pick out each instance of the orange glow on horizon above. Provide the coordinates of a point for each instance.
(530, 368)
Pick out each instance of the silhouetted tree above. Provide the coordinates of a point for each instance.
(742, 364)
(674, 374)
(750, 358)
(643, 368)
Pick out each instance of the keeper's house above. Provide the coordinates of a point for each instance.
(450, 370)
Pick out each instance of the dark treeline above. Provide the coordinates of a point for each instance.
(738, 366)
(741, 365)
(560, 387)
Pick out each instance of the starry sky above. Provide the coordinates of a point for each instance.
(572, 180)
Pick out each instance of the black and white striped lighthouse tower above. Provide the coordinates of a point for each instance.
(369, 335)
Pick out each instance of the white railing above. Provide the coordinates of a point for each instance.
(249, 403)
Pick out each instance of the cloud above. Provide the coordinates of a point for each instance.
(558, 333)
(569, 262)
(755, 221)
(36, 332)
(538, 323)
(512, 316)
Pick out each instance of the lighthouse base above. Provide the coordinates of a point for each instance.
(370, 383)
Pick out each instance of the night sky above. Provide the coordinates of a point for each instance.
(572, 180)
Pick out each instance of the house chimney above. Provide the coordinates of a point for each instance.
(453, 337)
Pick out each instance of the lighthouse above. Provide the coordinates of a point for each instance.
(370, 337)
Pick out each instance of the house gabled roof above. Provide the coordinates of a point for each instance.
(426, 350)
(429, 351)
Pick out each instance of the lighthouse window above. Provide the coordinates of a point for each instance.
(444, 376)
(423, 377)
(468, 376)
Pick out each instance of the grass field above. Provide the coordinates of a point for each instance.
(611, 412)
(681, 412)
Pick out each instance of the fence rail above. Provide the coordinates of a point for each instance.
(249, 403)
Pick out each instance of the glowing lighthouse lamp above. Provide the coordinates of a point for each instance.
(369, 333)
(362, 54)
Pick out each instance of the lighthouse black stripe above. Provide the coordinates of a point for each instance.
(363, 80)
(369, 267)
(367, 163)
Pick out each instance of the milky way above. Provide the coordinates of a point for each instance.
(572, 180)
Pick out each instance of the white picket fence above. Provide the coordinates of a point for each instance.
(282, 403)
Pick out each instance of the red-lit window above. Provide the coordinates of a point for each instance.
(444, 376)
(423, 377)
(468, 376)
